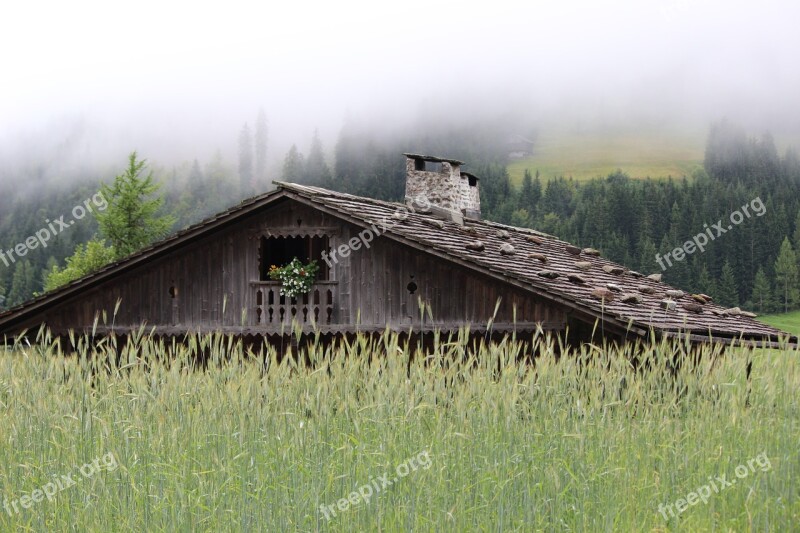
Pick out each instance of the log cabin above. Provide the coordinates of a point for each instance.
(430, 263)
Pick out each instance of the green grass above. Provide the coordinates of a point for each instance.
(597, 151)
(583, 444)
(597, 154)
(788, 322)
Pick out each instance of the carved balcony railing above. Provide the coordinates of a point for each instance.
(274, 309)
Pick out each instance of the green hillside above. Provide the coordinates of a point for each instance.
(788, 322)
(584, 156)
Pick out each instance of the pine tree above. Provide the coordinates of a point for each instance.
(705, 284)
(762, 293)
(195, 174)
(558, 197)
(317, 171)
(222, 184)
(796, 235)
(529, 196)
(23, 284)
(786, 275)
(520, 218)
(727, 294)
(647, 256)
(294, 166)
(260, 176)
(536, 195)
(246, 160)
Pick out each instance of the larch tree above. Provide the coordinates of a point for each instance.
(131, 220)
(87, 258)
(129, 223)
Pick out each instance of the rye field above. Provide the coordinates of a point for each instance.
(375, 435)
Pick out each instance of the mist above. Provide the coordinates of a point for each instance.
(85, 83)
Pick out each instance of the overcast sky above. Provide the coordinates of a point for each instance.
(189, 74)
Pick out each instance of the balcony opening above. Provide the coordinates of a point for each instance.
(279, 251)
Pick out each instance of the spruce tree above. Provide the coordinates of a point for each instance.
(705, 284)
(23, 284)
(260, 174)
(727, 294)
(294, 166)
(317, 171)
(527, 196)
(786, 275)
(246, 160)
(762, 293)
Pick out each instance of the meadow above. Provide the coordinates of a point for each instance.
(471, 438)
(597, 151)
(586, 155)
(789, 322)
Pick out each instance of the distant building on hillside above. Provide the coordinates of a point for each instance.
(519, 147)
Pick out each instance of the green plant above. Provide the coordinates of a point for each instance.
(296, 278)
(86, 259)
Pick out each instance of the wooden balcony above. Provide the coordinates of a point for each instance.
(272, 309)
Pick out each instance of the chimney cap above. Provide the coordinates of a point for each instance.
(470, 175)
(434, 159)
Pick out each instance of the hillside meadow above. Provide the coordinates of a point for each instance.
(595, 152)
(789, 322)
(213, 437)
(584, 155)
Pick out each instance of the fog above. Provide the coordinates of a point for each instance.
(177, 81)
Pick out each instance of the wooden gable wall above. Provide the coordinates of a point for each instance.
(369, 287)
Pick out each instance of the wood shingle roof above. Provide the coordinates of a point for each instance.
(552, 268)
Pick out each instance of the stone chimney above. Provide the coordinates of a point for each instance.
(440, 183)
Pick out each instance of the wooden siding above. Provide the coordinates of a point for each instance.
(375, 282)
